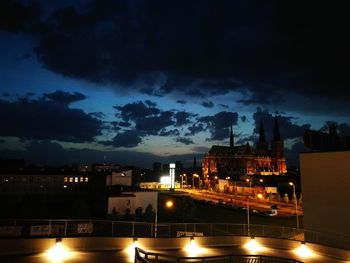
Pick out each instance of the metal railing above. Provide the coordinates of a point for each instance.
(142, 256)
(30, 228)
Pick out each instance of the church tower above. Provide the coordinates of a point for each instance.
(262, 146)
(277, 146)
(232, 144)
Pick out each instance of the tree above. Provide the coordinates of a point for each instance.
(114, 215)
(150, 214)
(138, 214)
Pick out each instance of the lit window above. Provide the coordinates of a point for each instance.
(65, 179)
(81, 179)
(86, 179)
(71, 179)
(76, 179)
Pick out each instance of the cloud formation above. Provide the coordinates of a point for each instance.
(288, 128)
(48, 119)
(196, 47)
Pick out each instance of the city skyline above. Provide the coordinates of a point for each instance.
(139, 82)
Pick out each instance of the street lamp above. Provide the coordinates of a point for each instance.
(168, 204)
(250, 186)
(296, 203)
(193, 176)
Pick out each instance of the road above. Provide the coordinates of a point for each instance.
(238, 201)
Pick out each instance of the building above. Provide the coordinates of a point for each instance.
(325, 180)
(120, 178)
(127, 202)
(235, 162)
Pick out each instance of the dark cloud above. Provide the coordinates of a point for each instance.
(42, 119)
(207, 104)
(99, 114)
(184, 140)
(137, 110)
(17, 17)
(195, 128)
(343, 129)
(165, 132)
(183, 102)
(124, 124)
(151, 125)
(147, 119)
(64, 97)
(218, 124)
(128, 139)
(288, 129)
(224, 106)
(182, 118)
(292, 155)
(243, 118)
(200, 149)
(196, 47)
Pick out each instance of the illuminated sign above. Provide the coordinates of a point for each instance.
(172, 175)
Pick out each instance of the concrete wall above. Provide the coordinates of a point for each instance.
(121, 203)
(143, 199)
(325, 181)
(132, 200)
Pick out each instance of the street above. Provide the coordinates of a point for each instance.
(256, 205)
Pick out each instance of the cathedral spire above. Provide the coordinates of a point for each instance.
(276, 133)
(262, 133)
(231, 138)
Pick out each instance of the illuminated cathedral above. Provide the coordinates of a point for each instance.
(236, 162)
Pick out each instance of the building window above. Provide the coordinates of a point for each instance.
(76, 179)
(71, 179)
(65, 179)
(86, 179)
(81, 179)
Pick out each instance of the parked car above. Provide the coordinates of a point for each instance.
(272, 212)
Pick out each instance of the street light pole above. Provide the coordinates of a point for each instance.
(156, 223)
(250, 186)
(296, 204)
(169, 204)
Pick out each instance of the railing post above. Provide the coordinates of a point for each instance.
(49, 228)
(65, 227)
(263, 230)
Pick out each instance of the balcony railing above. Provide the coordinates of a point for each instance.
(142, 256)
(79, 228)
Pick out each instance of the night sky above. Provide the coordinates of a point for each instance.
(141, 81)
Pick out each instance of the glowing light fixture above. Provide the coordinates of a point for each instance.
(260, 196)
(303, 251)
(130, 250)
(169, 204)
(58, 253)
(253, 245)
(193, 249)
(165, 180)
